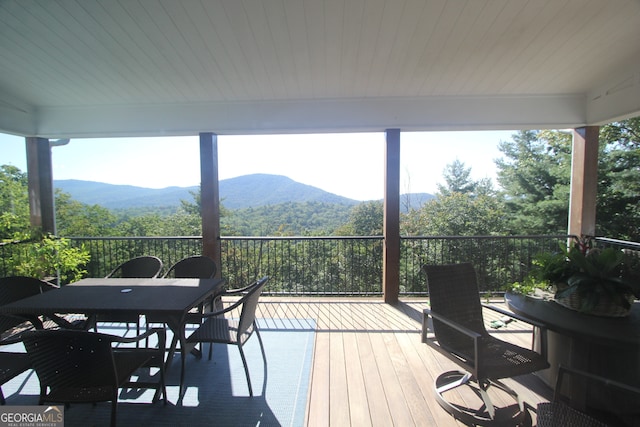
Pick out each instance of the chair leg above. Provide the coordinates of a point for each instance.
(473, 416)
(246, 370)
(114, 406)
(163, 381)
(264, 356)
(486, 399)
(138, 333)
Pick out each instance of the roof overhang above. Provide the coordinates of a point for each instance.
(151, 68)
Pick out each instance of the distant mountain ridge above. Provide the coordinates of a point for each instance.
(246, 191)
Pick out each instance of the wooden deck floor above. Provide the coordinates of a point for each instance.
(371, 369)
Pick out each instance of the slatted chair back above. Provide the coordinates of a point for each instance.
(84, 367)
(15, 288)
(194, 267)
(453, 292)
(144, 267)
(12, 364)
(248, 312)
(68, 360)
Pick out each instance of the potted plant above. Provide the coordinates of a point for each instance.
(590, 280)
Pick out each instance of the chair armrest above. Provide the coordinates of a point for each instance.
(63, 323)
(218, 312)
(454, 325)
(162, 337)
(237, 291)
(474, 336)
(34, 320)
(12, 339)
(562, 369)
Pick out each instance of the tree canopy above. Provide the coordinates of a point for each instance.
(535, 176)
(532, 197)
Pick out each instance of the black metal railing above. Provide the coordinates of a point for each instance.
(109, 252)
(306, 265)
(322, 265)
(498, 260)
(604, 242)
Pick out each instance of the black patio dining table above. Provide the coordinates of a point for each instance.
(169, 300)
(605, 346)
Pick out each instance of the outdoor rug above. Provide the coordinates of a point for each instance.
(216, 390)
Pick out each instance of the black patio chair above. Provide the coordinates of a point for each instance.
(456, 320)
(15, 288)
(193, 267)
(196, 267)
(84, 367)
(227, 327)
(12, 364)
(562, 412)
(142, 267)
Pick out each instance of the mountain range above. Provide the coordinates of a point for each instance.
(235, 193)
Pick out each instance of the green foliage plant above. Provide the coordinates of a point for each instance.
(593, 274)
(528, 286)
(51, 256)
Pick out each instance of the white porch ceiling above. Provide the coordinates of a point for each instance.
(92, 68)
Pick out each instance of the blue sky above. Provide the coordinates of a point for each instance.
(350, 165)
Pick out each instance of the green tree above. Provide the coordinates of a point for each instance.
(462, 207)
(366, 219)
(457, 214)
(14, 204)
(535, 177)
(457, 179)
(144, 225)
(78, 219)
(618, 204)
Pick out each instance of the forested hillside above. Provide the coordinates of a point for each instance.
(257, 204)
(533, 198)
(248, 191)
(307, 218)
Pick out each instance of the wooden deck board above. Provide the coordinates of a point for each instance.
(377, 399)
(339, 412)
(371, 369)
(320, 377)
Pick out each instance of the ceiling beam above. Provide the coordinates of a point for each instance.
(311, 116)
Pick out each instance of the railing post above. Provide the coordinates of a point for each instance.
(391, 251)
